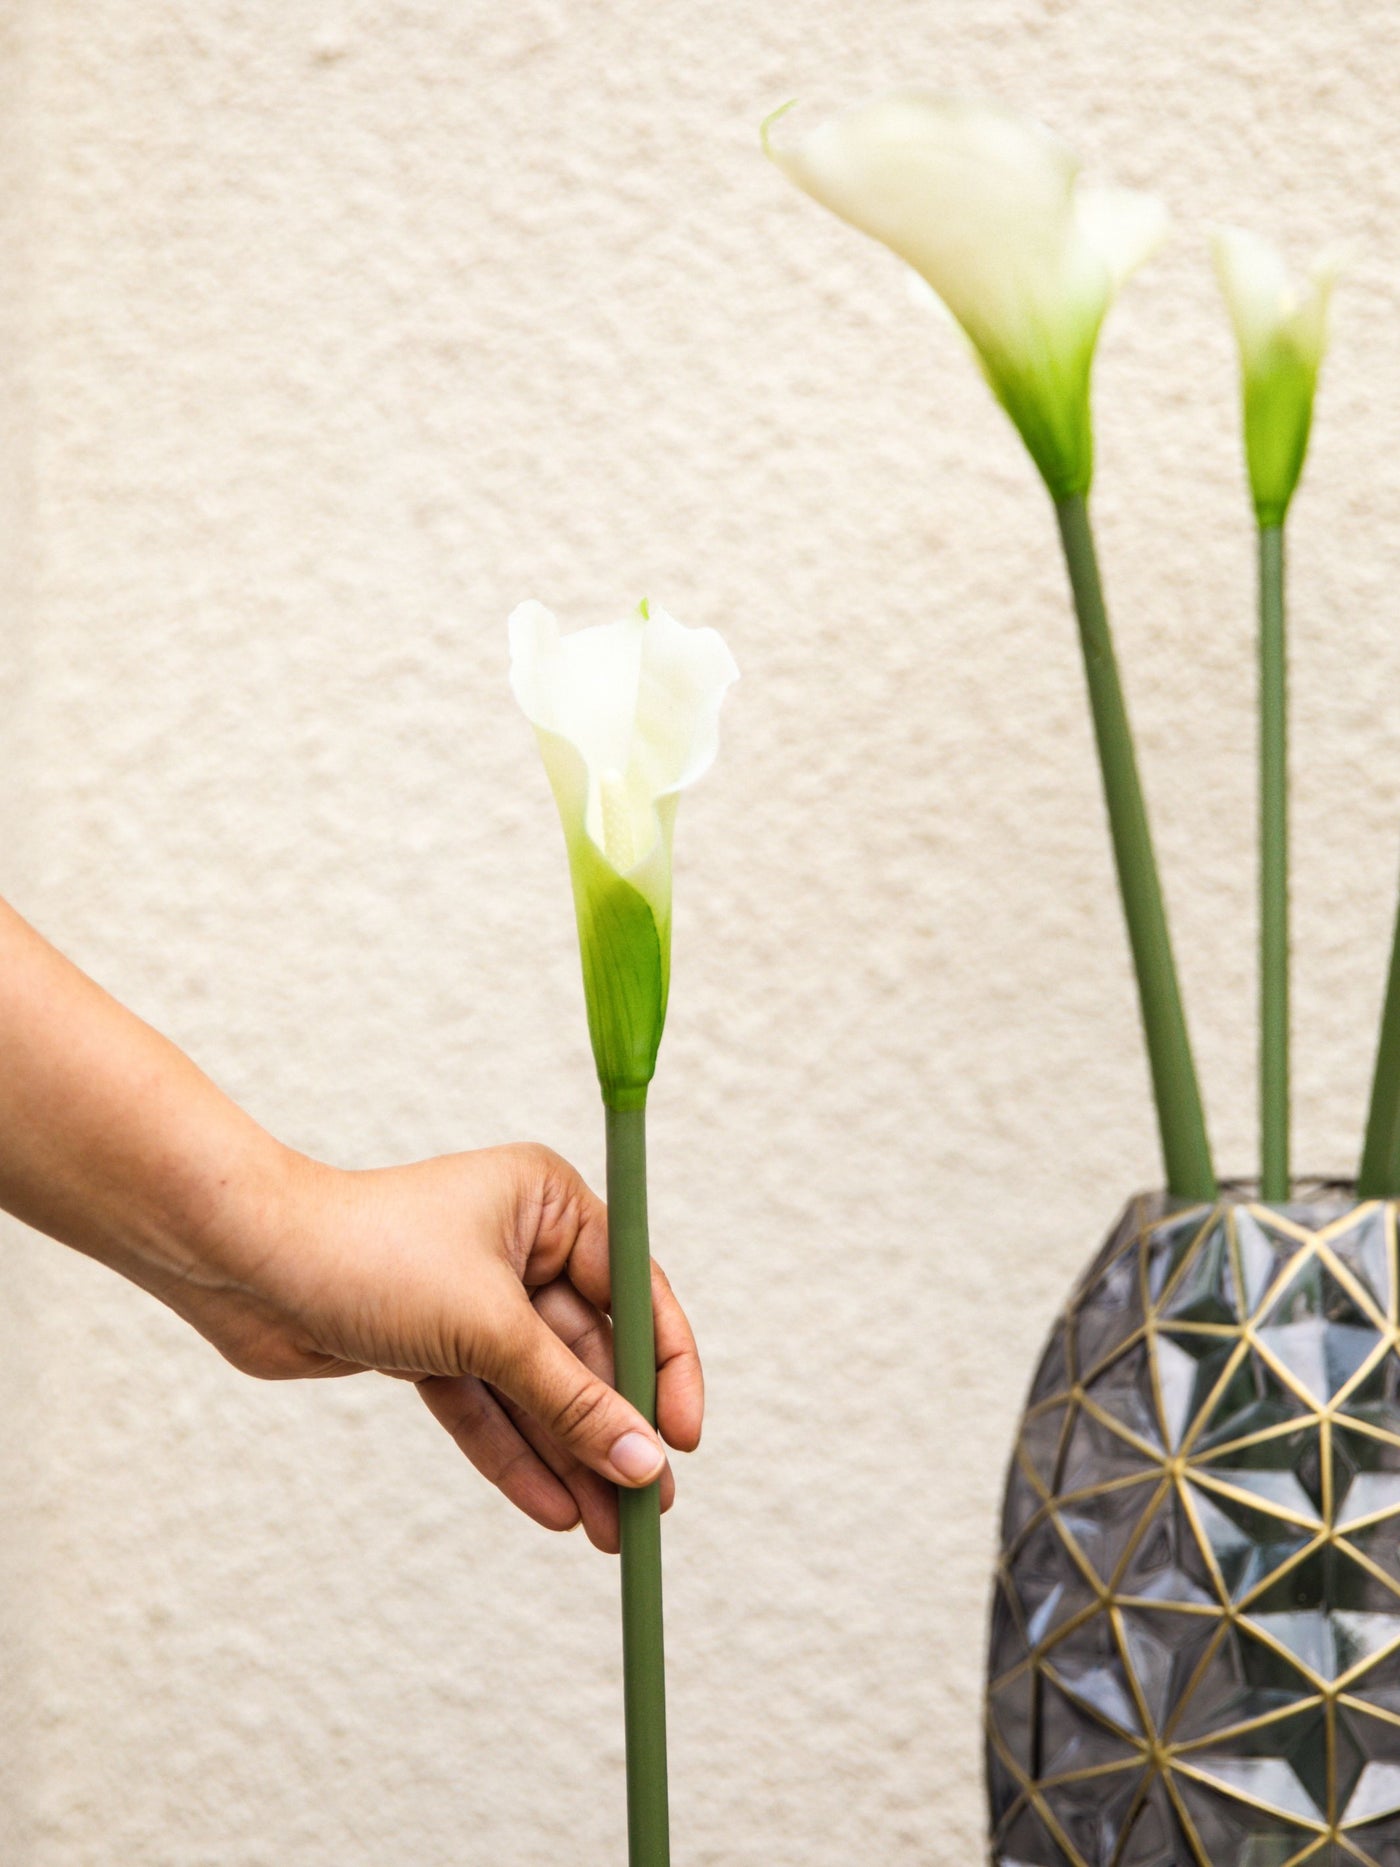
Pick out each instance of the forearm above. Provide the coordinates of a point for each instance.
(111, 1140)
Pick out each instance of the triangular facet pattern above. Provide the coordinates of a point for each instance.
(1097, 1454)
(1246, 1679)
(1109, 1312)
(1155, 1838)
(1265, 1246)
(1088, 1667)
(1167, 1564)
(1091, 1812)
(1196, 1631)
(1314, 1331)
(1125, 1393)
(1198, 1375)
(1204, 1289)
(1255, 1401)
(1246, 1544)
(1365, 1248)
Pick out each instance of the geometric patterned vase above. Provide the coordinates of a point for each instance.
(1195, 1643)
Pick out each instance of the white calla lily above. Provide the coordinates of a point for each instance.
(989, 209)
(1281, 328)
(627, 717)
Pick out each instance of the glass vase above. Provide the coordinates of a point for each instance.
(1195, 1641)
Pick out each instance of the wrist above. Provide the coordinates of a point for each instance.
(221, 1217)
(259, 1220)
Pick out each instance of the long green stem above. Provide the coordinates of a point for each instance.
(1273, 869)
(1379, 1177)
(634, 1351)
(1180, 1116)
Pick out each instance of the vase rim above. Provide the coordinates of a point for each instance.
(1306, 1190)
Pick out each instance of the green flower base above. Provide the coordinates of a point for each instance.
(1195, 1645)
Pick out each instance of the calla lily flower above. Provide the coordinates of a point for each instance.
(627, 717)
(1281, 328)
(988, 207)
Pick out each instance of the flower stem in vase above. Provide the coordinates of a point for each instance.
(1273, 869)
(1180, 1114)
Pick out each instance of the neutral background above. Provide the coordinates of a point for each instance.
(329, 332)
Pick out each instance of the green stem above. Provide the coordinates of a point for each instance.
(634, 1352)
(1379, 1177)
(1180, 1116)
(1273, 869)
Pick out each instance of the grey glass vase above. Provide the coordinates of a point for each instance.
(1195, 1643)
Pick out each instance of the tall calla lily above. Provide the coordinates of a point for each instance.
(627, 717)
(1281, 327)
(990, 211)
(989, 208)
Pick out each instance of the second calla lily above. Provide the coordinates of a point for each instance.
(627, 716)
(1281, 328)
(989, 208)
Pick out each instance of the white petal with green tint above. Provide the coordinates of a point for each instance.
(988, 208)
(627, 716)
(1281, 328)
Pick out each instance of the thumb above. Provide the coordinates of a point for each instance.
(589, 1419)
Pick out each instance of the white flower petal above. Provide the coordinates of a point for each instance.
(685, 674)
(986, 207)
(1122, 227)
(636, 701)
(1255, 281)
(975, 199)
(583, 685)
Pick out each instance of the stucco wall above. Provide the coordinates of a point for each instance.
(350, 325)
(19, 1317)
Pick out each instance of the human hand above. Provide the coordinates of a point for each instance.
(483, 1277)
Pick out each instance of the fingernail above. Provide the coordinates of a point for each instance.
(637, 1457)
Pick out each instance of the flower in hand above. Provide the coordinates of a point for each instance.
(481, 1277)
(627, 717)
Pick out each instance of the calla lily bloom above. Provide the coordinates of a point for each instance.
(627, 716)
(1281, 328)
(988, 207)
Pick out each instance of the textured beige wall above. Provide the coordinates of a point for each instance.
(19, 1319)
(347, 326)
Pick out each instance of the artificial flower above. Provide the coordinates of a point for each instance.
(988, 207)
(627, 717)
(1281, 328)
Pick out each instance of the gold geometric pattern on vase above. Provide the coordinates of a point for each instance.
(1195, 1644)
